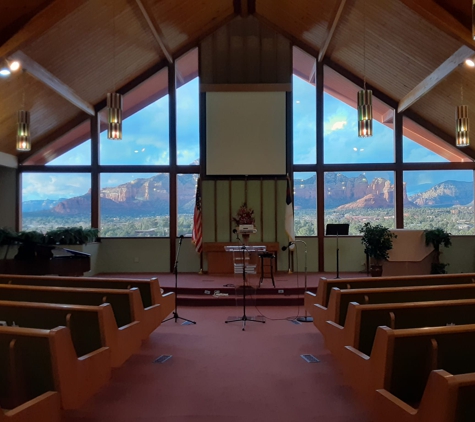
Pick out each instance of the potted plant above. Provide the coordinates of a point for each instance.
(377, 240)
(438, 237)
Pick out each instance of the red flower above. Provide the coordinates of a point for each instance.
(244, 215)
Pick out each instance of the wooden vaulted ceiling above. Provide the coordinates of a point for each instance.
(411, 51)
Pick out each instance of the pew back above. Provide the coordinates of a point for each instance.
(339, 299)
(26, 369)
(414, 353)
(365, 319)
(123, 302)
(84, 322)
(326, 285)
(149, 288)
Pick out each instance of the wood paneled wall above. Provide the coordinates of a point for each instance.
(245, 52)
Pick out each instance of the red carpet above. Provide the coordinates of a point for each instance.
(218, 373)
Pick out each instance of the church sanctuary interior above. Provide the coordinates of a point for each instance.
(237, 210)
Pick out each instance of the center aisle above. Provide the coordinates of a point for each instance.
(218, 373)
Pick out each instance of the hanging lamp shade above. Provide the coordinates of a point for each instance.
(365, 113)
(114, 104)
(462, 127)
(23, 142)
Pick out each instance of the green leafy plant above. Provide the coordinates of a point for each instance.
(438, 237)
(7, 236)
(377, 240)
(71, 236)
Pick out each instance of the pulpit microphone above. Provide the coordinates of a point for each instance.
(234, 231)
(284, 248)
(181, 239)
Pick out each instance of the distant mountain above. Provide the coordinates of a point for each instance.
(40, 204)
(143, 196)
(445, 194)
(150, 196)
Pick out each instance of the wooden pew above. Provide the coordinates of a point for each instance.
(362, 321)
(44, 408)
(49, 357)
(126, 304)
(91, 326)
(156, 306)
(402, 360)
(447, 398)
(325, 285)
(339, 299)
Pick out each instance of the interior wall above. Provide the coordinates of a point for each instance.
(8, 195)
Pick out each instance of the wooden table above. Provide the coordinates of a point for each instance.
(221, 262)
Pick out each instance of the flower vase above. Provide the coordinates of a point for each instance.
(245, 238)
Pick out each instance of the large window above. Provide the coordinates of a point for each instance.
(439, 199)
(187, 109)
(341, 142)
(357, 198)
(304, 108)
(305, 204)
(51, 200)
(186, 194)
(145, 139)
(134, 205)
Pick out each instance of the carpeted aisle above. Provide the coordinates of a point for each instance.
(218, 373)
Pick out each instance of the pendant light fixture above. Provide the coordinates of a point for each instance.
(23, 141)
(365, 96)
(462, 126)
(114, 105)
(114, 99)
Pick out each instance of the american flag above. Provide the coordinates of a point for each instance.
(197, 235)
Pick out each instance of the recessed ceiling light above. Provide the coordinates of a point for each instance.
(14, 66)
(355, 149)
(470, 63)
(298, 101)
(4, 71)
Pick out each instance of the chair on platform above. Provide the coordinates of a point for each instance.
(267, 260)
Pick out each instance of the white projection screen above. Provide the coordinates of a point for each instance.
(245, 133)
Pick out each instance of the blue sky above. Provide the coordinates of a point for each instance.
(145, 142)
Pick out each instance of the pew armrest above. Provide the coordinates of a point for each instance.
(44, 408)
(389, 404)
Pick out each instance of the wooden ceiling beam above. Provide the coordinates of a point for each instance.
(334, 22)
(51, 81)
(39, 24)
(156, 30)
(440, 18)
(244, 8)
(435, 77)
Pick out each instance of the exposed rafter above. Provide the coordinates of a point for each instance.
(244, 8)
(51, 81)
(39, 24)
(440, 18)
(156, 30)
(435, 77)
(334, 22)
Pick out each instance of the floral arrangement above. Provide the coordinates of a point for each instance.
(244, 215)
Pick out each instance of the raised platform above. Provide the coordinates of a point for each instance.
(208, 289)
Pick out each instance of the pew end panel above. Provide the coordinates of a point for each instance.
(337, 336)
(310, 299)
(77, 378)
(444, 400)
(44, 408)
(167, 305)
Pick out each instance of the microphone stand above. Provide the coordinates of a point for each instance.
(175, 270)
(244, 317)
(305, 318)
